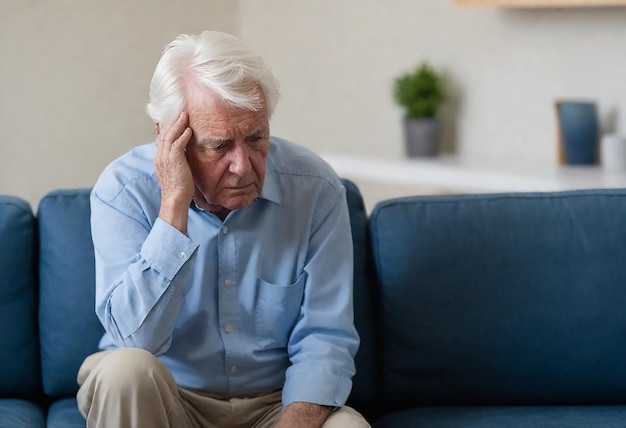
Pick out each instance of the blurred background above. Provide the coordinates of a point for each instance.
(74, 77)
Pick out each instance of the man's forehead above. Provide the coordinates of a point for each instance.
(218, 127)
(240, 119)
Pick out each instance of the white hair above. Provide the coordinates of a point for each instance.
(217, 61)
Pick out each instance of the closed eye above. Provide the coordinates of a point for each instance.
(219, 145)
(255, 138)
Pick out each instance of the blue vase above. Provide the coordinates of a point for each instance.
(578, 123)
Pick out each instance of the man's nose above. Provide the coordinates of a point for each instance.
(240, 159)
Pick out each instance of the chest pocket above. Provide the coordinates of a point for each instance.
(277, 309)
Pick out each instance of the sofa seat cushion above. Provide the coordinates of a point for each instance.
(15, 413)
(64, 414)
(19, 354)
(509, 417)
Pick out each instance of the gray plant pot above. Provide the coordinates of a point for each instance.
(422, 136)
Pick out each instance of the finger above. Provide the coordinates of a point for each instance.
(173, 156)
(175, 129)
(181, 142)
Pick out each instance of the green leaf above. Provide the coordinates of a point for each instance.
(421, 92)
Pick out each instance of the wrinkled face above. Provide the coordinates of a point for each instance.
(227, 152)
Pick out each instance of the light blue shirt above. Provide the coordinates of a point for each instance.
(258, 302)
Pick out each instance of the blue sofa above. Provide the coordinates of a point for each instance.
(474, 310)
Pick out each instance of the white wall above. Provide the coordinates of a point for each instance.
(74, 75)
(74, 79)
(337, 61)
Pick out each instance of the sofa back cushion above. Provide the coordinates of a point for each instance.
(69, 328)
(503, 299)
(364, 382)
(19, 353)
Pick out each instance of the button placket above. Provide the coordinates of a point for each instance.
(228, 304)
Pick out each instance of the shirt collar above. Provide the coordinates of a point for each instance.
(270, 191)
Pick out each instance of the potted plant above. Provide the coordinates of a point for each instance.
(421, 93)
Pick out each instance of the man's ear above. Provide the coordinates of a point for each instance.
(157, 126)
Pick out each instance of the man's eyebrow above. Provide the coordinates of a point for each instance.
(261, 129)
(255, 131)
(219, 139)
(214, 139)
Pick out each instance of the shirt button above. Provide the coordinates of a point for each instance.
(225, 230)
(233, 369)
(181, 255)
(229, 328)
(227, 283)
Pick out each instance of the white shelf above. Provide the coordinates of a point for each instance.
(451, 174)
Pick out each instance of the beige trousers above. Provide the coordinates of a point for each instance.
(131, 388)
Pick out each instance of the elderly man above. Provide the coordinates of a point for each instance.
(223, 262)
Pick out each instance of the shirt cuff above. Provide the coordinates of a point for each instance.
(166, 249)
(312, 383)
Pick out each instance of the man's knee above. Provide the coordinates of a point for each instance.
(125, 370)
(346, 417)
(129, 377)
(122, 366)
(125, 385)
